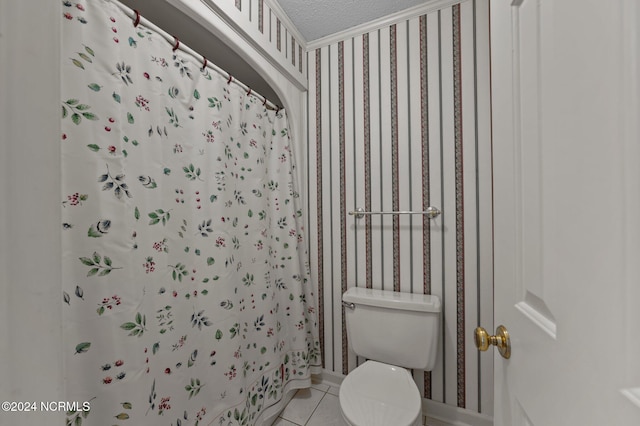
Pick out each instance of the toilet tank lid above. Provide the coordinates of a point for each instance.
(392, 299)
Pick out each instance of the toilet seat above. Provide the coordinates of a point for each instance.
(377, 394)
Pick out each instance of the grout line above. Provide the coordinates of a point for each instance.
(316, 408)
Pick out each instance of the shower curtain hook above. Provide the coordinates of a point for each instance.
(230, 79)
(204, 64)
(249, 92)
(137, 20)
(175, 47)
(264, 104)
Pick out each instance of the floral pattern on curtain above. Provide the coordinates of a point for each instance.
(187, 298)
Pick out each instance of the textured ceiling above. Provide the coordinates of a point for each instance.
(318, 18)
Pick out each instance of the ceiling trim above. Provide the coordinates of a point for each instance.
(385, 21)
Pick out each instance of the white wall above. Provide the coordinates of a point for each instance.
(30, 227)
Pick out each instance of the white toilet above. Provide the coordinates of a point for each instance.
(393, 331)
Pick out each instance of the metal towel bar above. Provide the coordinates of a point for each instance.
(431, 212)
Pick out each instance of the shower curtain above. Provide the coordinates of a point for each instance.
(187, 298)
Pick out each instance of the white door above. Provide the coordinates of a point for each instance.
(566, 141)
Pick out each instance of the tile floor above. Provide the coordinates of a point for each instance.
(316, 406)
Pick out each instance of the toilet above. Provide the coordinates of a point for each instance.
(394, 331)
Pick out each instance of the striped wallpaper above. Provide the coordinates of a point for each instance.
(399, 119)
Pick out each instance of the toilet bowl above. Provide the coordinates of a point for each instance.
(378, 394)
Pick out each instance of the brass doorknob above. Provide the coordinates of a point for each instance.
(501, 340)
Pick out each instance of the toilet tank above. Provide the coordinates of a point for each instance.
(393, 327)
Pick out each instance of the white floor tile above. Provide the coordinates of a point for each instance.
(282, 422)
(334, 390)
(327, 413)
(301, 407)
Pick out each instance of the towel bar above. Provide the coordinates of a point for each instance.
(431, 212)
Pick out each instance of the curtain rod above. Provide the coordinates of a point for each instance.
(137, 18)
